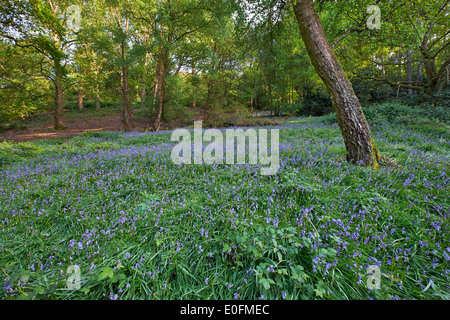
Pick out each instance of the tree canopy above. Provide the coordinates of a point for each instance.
(162, 59)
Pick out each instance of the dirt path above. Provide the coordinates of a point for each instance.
(41, 127)
(45, 129)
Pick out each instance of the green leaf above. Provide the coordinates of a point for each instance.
(51, 289)
(39, 290)
(85, 290)
(24, 276)
(226, 247)
(107, 272)
(118, 277)
(265, 283)
(280, 256)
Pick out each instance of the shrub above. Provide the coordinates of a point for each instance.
(291, 109)
(396, 113)
(72, 105)
(317, 103)
(239, 115)
(175, 113)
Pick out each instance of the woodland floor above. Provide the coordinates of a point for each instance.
(140, 226)
(40, 127)
(76, 123)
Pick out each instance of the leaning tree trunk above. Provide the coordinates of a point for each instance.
(358, 140)
(59, 98)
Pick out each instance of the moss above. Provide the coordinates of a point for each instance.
(375, 154)
(60, 128)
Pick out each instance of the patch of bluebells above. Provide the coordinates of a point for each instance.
(84, 210)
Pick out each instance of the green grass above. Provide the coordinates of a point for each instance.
(141, 227)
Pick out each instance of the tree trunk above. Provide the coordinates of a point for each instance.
(298, 89)
(207, 101)
(442, 76)
(356, 133)
(80, 99)
(194, 104)
(59, 98)
(419, 73)
(97, 100)
(430, 66)
(410, 75)
(157, 78)
(161, 73)
(270, 99)
(126, 114)
(143, 96)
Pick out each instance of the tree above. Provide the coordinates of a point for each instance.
(412, 31)
(86, 69)
(173, 22)
(110, 33)
(435, 42)
(38, 25)
(355, 130)
(221, 48)
(120, 16)
(23, 88)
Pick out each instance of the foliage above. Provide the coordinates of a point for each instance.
(176, 113)
(91, 105)
(316, 103)
(397, 113)
(221, 55)
(141, 227)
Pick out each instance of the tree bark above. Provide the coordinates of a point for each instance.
(194, 104)
(161, 73)
(157, 76)
(59, 98)
(298, 89)
(207, 101)
(126, 114)
(419, 71)
(80, 99)
(143, 96)
(430, 66)
(355, 130)
(270, 98)
(97, 100)
(410, 75)
(143, 91)
(442, 76)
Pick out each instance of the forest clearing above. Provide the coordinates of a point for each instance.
(120, 178)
